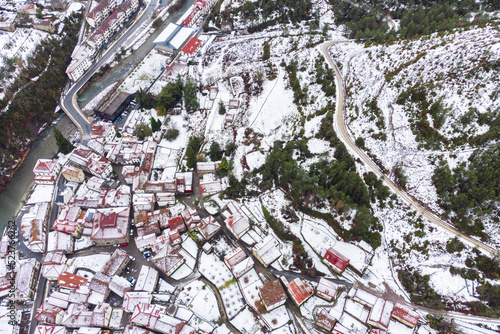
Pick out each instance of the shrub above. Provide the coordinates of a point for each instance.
(171, 134)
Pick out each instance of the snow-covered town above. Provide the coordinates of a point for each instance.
(248, 177)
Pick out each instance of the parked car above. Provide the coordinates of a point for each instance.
(131, 258)
(131, 232)
(116, 245)
(131, 280)
(147, 254)
(124, 244)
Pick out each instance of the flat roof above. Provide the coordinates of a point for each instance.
(181, 37)
(115, 103)
(166, 34)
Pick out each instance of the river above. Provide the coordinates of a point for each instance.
(45, 147)
(12, 197)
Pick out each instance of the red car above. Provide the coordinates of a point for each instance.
(124, 244)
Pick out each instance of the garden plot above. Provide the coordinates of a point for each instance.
(179, 143)
(201, 299)
(277, 317)
(250, 284)
(200, 324)
(145, 73)
(189, 292)
(245, 322)
(216, 272)
(232, 299)
(205, 305)
(222, 245)
(277, 204)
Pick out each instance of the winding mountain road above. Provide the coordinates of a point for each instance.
(340, 128)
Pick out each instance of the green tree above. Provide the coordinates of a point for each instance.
(222, 108)
(267, 52)
(145, 99)
(63, 144)
(155, 124)
(223, 167)
(161, 110)
(192, 149)
(230, 148)
(190, 99)
(215, 152)
(190, 157)
(142, 131)
(195, 143)
(157, 23)
(170, 95)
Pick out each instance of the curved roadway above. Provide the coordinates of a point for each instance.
(69, 101)
(341, 129)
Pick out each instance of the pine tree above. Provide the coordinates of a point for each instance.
(190, 157)
(215, 152)
(223, 167)
(222, 108)
(63, 144)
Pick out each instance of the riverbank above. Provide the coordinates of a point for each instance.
(44, 147)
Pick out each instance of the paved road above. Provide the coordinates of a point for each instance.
(341, 129)
(69, 101)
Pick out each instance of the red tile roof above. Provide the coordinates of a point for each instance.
(405, 315)
(177, 223)
(44, 166)
(336, 259)
(299, 290)
(326, 320)
(69, 280)
(272, 293)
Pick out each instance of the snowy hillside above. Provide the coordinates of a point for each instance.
(417, 102)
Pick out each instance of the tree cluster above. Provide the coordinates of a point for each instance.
(299, 94)
(331, 181)
(263, 14)
(169, 97)
(419, 289)
(366, 21)
(32, 102)
(63, 144)
(418, 105)
(142, 131)
(324, 76)
(471, 191)
(190, 99)
(192, 149)
(145, 99)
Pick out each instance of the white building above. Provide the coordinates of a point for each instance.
(267, 250)
(46, 171)
(80, 62)
(26, 279)
(147, 280)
